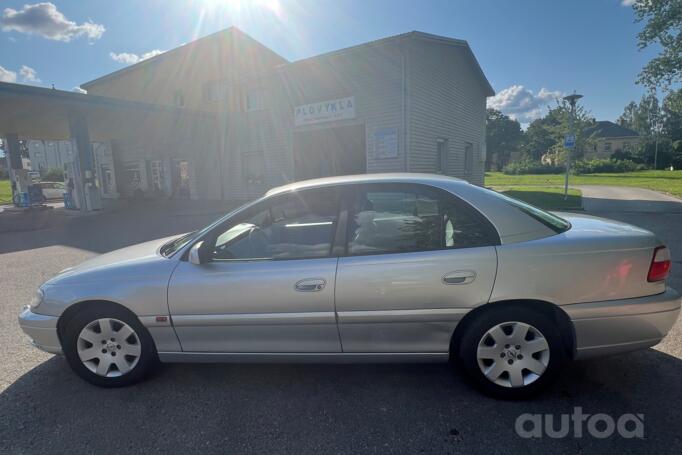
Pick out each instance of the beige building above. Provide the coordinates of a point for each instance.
(226, 117)
(608, 138)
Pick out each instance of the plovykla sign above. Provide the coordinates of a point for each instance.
(325, 111)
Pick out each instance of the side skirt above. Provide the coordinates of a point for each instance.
(274, 357)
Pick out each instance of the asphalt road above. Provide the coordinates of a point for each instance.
(44, 408)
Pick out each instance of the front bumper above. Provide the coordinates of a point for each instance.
(615, 326)
(42, 330)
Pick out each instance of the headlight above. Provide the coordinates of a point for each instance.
(37, 299)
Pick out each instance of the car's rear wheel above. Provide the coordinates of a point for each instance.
(512, 352)
(109, 347)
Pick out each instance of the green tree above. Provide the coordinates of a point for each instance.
(672, 129)
(645, 117)
(561, 126)
(663, 27)
(539, 138)
(503, 136)
(547, 134)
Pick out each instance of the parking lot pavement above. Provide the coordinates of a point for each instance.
(44, 408)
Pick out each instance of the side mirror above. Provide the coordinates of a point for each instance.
(195, 253)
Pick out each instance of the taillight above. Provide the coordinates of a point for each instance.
(660, 264)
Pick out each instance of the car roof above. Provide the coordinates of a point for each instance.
(398, 177)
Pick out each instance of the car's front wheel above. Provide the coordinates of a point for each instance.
(512, 352)
(109, 347)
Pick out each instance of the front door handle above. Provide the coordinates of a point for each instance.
(459, 277)
(310, 285)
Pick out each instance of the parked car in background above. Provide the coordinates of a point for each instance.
(53, 190)
(369, 268)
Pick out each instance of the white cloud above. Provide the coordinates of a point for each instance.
(522, 104)
(627, 2)
(7, 75)
(46, 20)
(28, 74)
(80, 90)
(129, 58)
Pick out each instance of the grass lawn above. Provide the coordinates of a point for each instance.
(550, 198)
(5, 192)
(665, 181)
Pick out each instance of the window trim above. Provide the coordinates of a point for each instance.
(442, 160)
(489, 228)
(468, 168)
(260, 94)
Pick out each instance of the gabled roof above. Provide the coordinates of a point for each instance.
(230, 31)
(403, 36)
(605, 129)
(234, 30)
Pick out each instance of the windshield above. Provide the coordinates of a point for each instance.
(550, 220)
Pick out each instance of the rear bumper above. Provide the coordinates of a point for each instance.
(615, 326)
(42, 330)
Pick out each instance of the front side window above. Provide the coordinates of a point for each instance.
(293, 226)
(407, 218)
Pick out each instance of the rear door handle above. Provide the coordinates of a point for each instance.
(310, 285)
(459, 277)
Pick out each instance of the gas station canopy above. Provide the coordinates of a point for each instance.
(28, 112)
(43, 113)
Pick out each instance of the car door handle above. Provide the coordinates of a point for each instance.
(459, 277)
(310, 285)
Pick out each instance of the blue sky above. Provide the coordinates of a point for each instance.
(530, 50)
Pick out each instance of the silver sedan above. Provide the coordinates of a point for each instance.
(370, 268)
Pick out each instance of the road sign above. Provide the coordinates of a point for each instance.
(569, 141)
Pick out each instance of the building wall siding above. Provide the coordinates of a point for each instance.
(447, 101)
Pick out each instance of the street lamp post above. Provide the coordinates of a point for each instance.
(569, 140)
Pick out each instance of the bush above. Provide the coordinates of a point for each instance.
(4, 174)
(54, 174)
(597, 166)
(527, 166)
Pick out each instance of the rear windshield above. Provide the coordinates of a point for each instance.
(552, 221)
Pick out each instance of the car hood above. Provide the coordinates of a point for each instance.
(131, 262)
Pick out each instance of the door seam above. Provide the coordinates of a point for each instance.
(336, 313)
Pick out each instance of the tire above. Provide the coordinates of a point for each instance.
(512, 352)
(120, 354)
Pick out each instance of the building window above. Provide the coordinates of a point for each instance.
(468, 158)
(441, 156)
(607, 146)
(255, 100)
(253, 168)
(215, 91)
(626, 146)
(178, 98)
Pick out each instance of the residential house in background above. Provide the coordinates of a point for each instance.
(608, 138)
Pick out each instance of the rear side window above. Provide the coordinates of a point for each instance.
(405, 218)
(557, 224)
